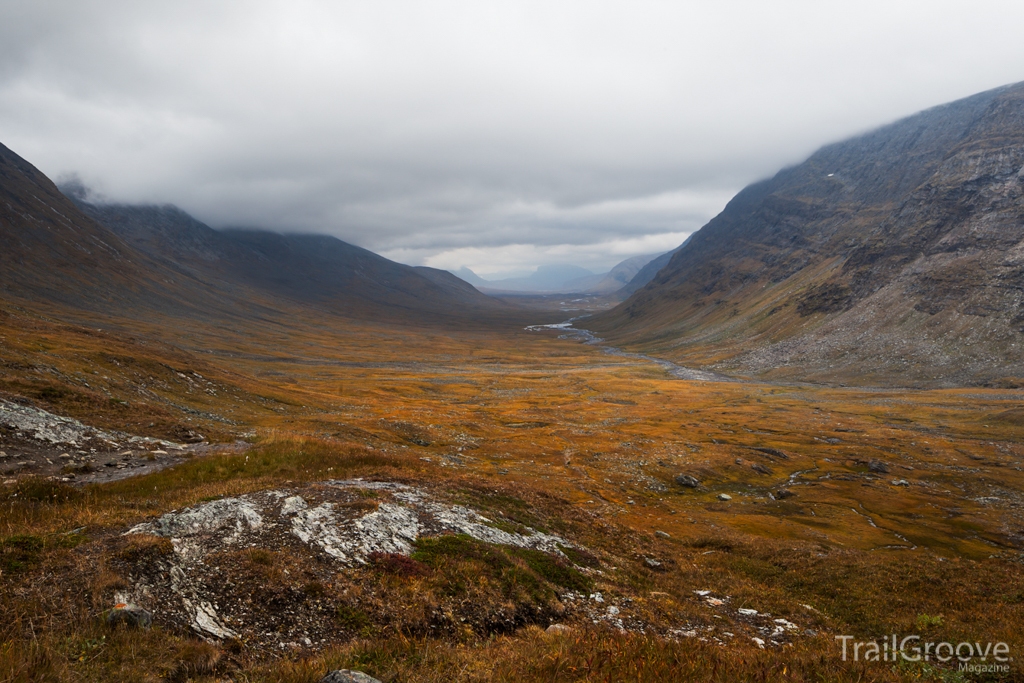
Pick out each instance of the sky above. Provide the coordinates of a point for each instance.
(498, 136)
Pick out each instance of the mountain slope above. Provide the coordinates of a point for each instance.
(143, 262)
(312, 269)
(53, 254)
(893, 256)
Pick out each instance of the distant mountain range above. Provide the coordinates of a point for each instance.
(893, 257)
(141, 260)
(568, 279)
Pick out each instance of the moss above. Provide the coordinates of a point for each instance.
(437, 551)
(554, 569)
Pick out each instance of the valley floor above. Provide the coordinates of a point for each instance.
(804, 513)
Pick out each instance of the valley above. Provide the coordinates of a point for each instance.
(252, 456)
(835, 510)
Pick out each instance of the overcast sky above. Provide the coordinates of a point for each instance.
(498, 136)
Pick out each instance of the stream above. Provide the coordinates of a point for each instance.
(588, 337)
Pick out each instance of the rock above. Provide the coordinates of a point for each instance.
(653, 564)
(54, 429)
(229, 517)
(759, 468)
(878, 467)
(206, 621)
(900, 482)
(724, 496)
(687, 481)
(747, 612)
(759, 642)
(773, 452)
(130, 616)
(348, 676)
(662, 534)
(558, 629)
(784, 493)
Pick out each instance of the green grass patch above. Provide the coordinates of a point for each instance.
(554, 569)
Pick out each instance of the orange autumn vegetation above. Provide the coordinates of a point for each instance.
(552, 434)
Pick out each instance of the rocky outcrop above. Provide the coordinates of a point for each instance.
(341, 522)
(65, 431)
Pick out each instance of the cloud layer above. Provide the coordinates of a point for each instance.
(498, 136)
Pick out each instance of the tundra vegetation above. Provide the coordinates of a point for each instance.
(850, 511)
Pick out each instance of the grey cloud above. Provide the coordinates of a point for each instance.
(426, 129)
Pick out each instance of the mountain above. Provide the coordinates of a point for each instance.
(550, 278)
(52, 253)
(467, 275)
(614, 280)
(142, 261)
(565, 279)
(316, 269)
(893, 257)
(648, 271)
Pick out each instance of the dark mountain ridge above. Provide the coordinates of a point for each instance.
(144, 262)
(893, 256)
(317, 269)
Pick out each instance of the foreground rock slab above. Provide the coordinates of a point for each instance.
(340, 523)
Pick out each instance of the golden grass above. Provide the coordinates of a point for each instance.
(554, 435)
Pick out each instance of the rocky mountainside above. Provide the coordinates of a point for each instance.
(146, 260)
(896, 256)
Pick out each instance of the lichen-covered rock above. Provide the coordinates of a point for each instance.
(392, 528)
(221, 545)
(54, 429)
(227, 518)
(348, 676)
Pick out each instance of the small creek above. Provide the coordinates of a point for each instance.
(588, 337)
